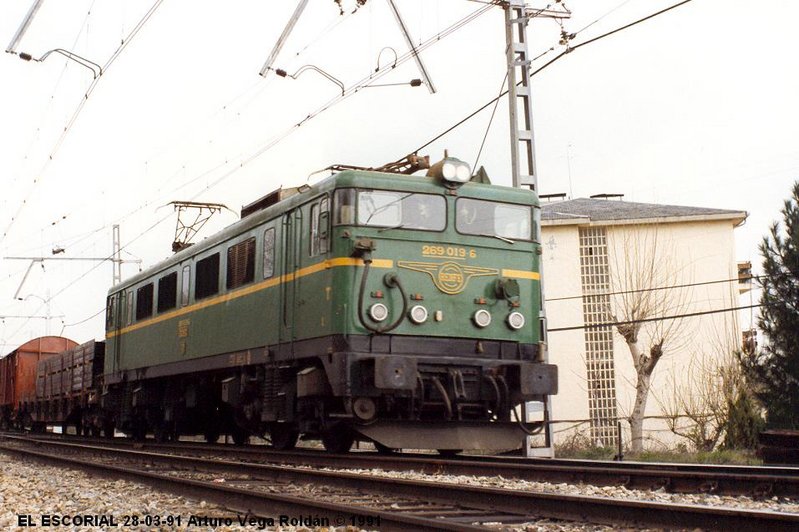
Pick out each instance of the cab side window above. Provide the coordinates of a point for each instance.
(111, 312)
(320, 223)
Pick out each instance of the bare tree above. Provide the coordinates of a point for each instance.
(642, 279)
(700, 398)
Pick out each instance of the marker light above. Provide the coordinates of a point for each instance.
(418, 314)
(481, 318)
(378, 312)
(515, 320)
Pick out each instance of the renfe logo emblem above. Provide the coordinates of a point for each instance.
(449, 277)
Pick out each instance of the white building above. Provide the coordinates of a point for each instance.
(604, 261)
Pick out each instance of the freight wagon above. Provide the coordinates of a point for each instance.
(67, 390)
(18, 376)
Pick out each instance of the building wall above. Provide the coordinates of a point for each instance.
(680, 254)
(561, 274)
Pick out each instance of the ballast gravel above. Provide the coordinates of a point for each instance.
(32, 493)
(776, 504)
(30, 489)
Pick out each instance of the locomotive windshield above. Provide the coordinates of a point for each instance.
(385, 208)
(488, 218)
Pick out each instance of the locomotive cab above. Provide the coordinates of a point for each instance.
(442, 340)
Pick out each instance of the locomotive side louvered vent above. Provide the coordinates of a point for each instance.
(241, 263)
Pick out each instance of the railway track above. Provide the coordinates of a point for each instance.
(757, 482)
(263, 490)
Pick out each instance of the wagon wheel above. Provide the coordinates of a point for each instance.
(139, 430)
(211, 434)
(164, 432)
(283, 437)
(240, 436)
(108, 429)
(338, 439)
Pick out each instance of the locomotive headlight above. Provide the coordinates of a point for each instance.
(378, 312)
(452, 170)
(515, 320)
(418, 314)
(481, 318)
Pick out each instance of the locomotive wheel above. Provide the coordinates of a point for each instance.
(283, 438)
(338, 439)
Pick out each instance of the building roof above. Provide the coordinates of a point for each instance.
(614, 212)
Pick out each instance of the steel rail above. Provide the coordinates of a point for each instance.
(245, 501)
(677, 478)
(508, 502)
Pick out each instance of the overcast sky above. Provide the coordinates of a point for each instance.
(695, 107)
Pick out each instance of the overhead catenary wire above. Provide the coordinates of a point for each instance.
(46, 111)
(649, 320)
(602, 17)
(652, 289)
(236, 164)
(76, 113)
(236, 104)
(545, 65)
(490, 121)
(346, 93)
(93, 268)
(65, 325)
(329, 104)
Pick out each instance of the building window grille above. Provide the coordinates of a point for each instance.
(600, 366)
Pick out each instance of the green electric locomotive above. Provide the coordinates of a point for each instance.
(393, 308)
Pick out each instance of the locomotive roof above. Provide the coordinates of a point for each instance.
(345, 179)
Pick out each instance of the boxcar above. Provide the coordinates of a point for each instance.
(67, 389)
(18, 375)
